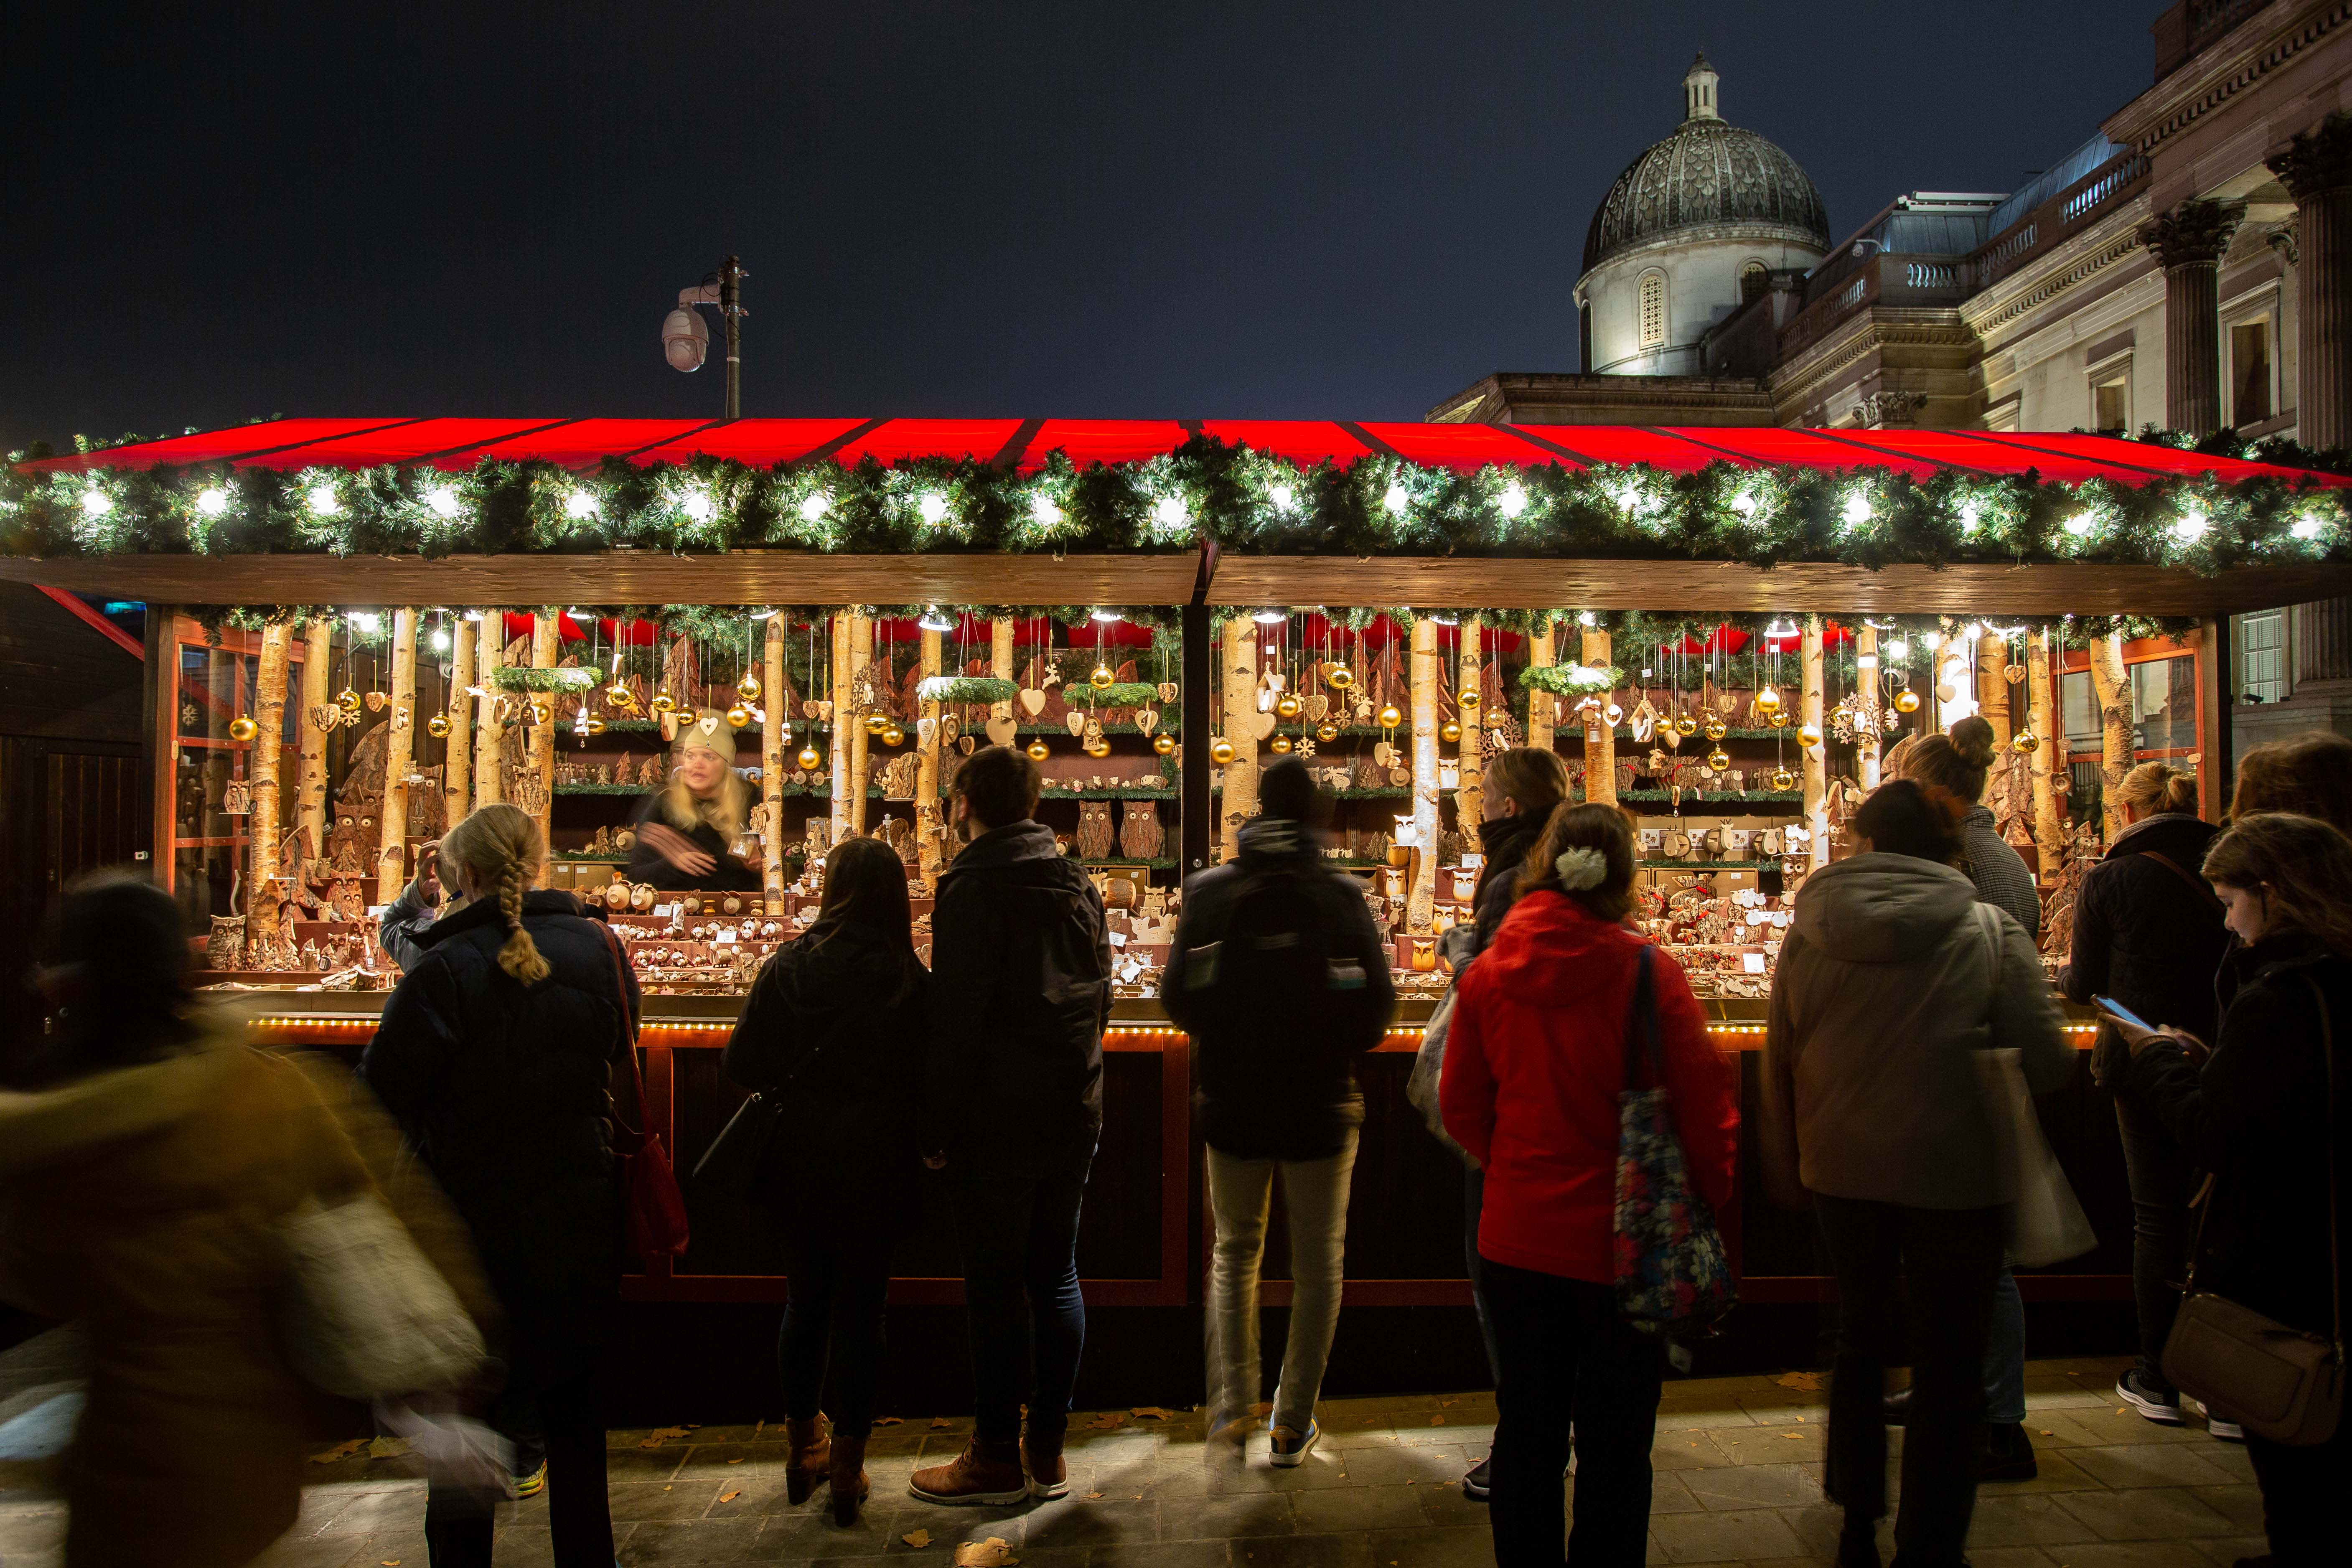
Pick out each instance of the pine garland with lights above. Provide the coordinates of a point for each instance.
(1572, 679)
(965, 688)
(1117, 694)
(563, 680)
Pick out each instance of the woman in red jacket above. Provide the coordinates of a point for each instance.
(1533, 1068)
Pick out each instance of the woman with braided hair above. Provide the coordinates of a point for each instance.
(496, 1053)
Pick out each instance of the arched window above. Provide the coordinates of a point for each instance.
(1754, 278)
(1653, 310)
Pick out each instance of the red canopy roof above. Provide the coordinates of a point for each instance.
(1025, 443)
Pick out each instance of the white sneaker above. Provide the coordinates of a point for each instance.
(2228, 1431)
(1289, 1447)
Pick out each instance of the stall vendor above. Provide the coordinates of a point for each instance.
(686, 828)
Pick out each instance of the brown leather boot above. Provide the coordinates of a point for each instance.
(1049, 1475)
(808, 1457)
(850, 1487)
(984, 1473)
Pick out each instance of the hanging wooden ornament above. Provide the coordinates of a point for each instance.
(1168, 690)
(237, 798)
(2014, 674)
(966, 744)
(1147, 719)
(375, 702)
(925, 729)
(1076, 720)
(1033, 701)
(808, 707)
(951, 727)
(1001, 731)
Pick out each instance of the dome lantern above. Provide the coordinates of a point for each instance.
(1698, 91)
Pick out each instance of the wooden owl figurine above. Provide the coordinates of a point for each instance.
(1095, 839)
(1139, 837)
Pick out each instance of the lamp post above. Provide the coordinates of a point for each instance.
(686, 340)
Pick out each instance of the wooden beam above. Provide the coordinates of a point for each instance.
(2111, 683)
(2050, 835)
(927, 772)
(1866, 736)
(489, 734)
(1239, 649)
(844, 721)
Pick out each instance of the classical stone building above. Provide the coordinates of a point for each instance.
(2188, 266)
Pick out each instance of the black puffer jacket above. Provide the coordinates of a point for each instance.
(833, 1030)
(1020, 993)
(503, 1090)
(2258, 1118)
(2145, 937)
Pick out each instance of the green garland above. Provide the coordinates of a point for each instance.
(1572, 679)
(1240, 498)
(523, 678)
(965, 688)
(1119, 694)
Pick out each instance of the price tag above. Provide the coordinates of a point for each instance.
(663, 911)
(1118, 939)
(1752, 963)
(724, 938)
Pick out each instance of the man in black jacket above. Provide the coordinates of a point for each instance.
(1012, 1107)
(1281, 977)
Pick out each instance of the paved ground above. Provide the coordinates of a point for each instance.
(1738, 1480)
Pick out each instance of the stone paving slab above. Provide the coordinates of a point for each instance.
(1737, 1478)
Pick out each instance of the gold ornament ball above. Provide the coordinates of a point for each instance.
(748, 688)
(242, 728)
(1450, 732)
(1037, 753)
(2025, 743)
(739, 716)
(595, 726)
(619, 694)
(809, 760)
(1717, 729)
(1327, 732)
(1164, 744)
(1221, 751)
(438, 726)
(1783, 780)
(1339, 678)
(1390, 718)
(1718, 760)
(1287, 705)
(1468, 698)
(893, 734)
(1780, 719)
(539, 713)
(348, 701)
(1768, 700)
(1906, 701)
(1685, 725)
(665, 703)
(1808, 734)
(876, 722)
(1282, 743)
(1101, 678)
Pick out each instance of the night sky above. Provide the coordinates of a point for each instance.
(1104, 209)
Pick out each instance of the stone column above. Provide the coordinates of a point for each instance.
(2321, 634)
(2316, 170)
(2189, 241)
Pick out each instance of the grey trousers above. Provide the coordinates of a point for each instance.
(1315, 1200)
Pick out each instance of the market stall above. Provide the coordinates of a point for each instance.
(382, 624)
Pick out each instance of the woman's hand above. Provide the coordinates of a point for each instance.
(677, 848)
(2138, 1040)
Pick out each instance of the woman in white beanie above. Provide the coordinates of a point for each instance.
(686, 828)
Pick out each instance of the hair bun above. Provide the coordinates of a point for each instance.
(1972, 738)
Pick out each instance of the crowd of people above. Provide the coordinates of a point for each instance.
(149, 1158)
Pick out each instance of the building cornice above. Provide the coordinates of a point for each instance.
(2078, 260)
(1706, 233)
(1865, 333)
(2230, 66)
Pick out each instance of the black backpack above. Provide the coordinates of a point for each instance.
(1281, 998)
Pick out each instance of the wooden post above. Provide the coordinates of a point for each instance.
(458, 749)
(1000, 649)
(262, 929)
(927, 773)
(1599, 735)
(1421, 898)
(311, 792)
(771, 766)
(1866, 741)
(1809, 711)
(843, 722)
(2112, 685)
(2050, 835)
(1993, 689)
(399, 745)
(1239, 653)
(546, 650)
(489, 735)
(861, 654)
(1542, 707)
(1470, 791)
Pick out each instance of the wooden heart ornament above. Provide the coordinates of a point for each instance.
(1166, 691)
(1313, 706)
(1147, 719)
(925, 729)
(1033, 701)
(966, 744)
(1077, 721)
(950, 728)
(809, 706)
(1001, 730)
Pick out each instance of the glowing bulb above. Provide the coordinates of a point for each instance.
(2079, 525)
(323, 499)
(442, 500)
(1931, 641)
(2191, 527)
(1629, 496)
(1514, 500)
(1858, 510)
(580, 505)
(813, 508)
(1107, 617)
(933, 508)
(1170, 512)
(213, 501)
(1744, 504)
(933, 621)
(441, 642)
(2308, 528)
(1898, 649)
(364, 621)
(1587, 618)
(1270, 617)
(1043, 509)
(697, 505)
(1283, 497)
(1395, 497)
(96, 502)
(1968, 517)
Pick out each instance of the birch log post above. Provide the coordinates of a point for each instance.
(489, 734)
(457, 749)
(1000, 649)
(843, 722)
(927, 773)
(263, 931)
(861, 654)
(1816, 778)
(1237, 648)
(1470, 790)
(310, 790)
(771, 766)
(1542, 707)
(1866, 741)
(1599, 735)
(1427, 669)
(1991, 663)
(2112, 686)
(2050, 835)
(546, 650)
(399, 748)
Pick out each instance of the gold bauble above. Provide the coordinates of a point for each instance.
(748, 688)
(1338, 676)
(1164, 744)
(1768, 700)
(665, 703)
(541, 713)
(1327, 732)
(2025, 743)
(1282, 743)
(1287, 705)
(348, 701)
(437, 726)
(1468, 698)
(242, 728)
(876, 722)
(1449, 732)
(1780, 719)
(1906, 701)
(1783, 780)
(1808, 734)
(1716, 728)
(1390, 718)
(595, 725)
(619, 695)
(1101, 678)
(1718, 760)
(1097, 748)
(739, 716)
(1221, 751)
(809, 760)
(893, 734)
(1685, 725)
(1037, 753)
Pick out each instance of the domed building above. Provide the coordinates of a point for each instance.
(1693, 227)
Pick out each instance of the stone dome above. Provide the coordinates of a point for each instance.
(1707, 177)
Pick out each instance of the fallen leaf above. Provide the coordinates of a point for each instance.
(888, 1421)
(387, 1447)
(1793, 1434)
(1093, 1495)
(2047, 1433)
(391, 1562)
(758, 1428)
(340, 1451)
(1149, 1412)
(993, 1553)
(939, 1423)
(660, 1434)
(917, 1538)
(734, 1461)
(1803, 1381)
(723, 1497)
(1449, 1403)
(1438, 1420)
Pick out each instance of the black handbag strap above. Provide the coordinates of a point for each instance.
(2202, 889)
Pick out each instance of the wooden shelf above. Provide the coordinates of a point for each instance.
(1707, 864)
(1712, 800)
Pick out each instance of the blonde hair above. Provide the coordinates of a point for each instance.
(2300, 864)
(1957, 762)
(2156, 787)
(725, 811)
(499, 850)
(1537, 779)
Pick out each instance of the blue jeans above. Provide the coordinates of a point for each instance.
(833, 1324)
(1017, 1226)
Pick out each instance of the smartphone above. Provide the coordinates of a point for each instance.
(2110, 1006)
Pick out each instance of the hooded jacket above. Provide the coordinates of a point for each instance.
(1887, 983)
(2144, 937)
(1020, 995)
(2257, 1116)
(833, 1030)
(1533, 1068)
(504, 1091)
(1280, 1088)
